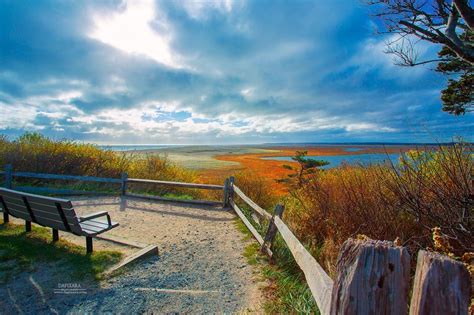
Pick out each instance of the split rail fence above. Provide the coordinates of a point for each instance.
(373, 277)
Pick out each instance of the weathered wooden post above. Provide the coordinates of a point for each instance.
(123, 188)
(225, 199)
(8, 184)
(372, 278)
(441, 286)
(271, 231)
(8, 176)
(231, 188)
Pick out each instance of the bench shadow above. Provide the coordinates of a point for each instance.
(124, 204)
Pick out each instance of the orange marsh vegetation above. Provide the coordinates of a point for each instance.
(272, 170)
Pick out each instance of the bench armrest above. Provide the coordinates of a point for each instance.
(95, 215)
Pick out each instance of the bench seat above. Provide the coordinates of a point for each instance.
(56, 213)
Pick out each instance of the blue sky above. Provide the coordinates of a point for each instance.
(213, 72)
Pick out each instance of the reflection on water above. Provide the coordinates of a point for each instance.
(353, 149)
(336, 160)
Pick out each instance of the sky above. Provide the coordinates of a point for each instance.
(212, 72)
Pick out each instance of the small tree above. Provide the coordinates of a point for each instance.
(458, 96)
(305, 166)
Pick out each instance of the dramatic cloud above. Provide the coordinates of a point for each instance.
(224, 71)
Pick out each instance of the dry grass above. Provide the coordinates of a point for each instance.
(431, 188)
(33, 152)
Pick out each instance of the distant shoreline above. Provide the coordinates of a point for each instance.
(151, 147)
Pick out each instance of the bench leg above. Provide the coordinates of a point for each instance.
(55, 235)
(6, 218)
(27, 226)
(89, 244)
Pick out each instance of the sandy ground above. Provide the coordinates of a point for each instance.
(200, 268)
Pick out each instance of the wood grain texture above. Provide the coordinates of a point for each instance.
(441, 286)
(8, 176)
(177, 184)
(58, 191)
(145, 252)
(67, 177)
(123, 185)
(251, 203)
(247, 223)
(271, 230)
(318, 280)
(372, 278)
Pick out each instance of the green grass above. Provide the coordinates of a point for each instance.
(21, 251)
(287, 292)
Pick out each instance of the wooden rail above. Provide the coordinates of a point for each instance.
(67, 177)
(123, 181)
(176, 184)
(318, 280)
(252, 204)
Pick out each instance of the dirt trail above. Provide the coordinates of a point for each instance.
(200, 268)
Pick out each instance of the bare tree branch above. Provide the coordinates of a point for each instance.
(437, 22)
(465, 11)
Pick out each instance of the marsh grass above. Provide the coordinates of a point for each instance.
(21, 251)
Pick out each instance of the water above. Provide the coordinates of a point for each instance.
(132, 147)
(353, 149)
(336, 160)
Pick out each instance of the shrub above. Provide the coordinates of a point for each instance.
(33, 152)
(431, 188)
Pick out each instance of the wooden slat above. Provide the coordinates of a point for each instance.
(68, 177)
(121, 241)
(91, 230)
(22, 214)
(66, 204)
(247, 223)
(95, 224)
(149, 250)
(44, 208)
(176, 184)
(318, 281)
(252, 204)
(199, 202)
(51, 223)
(57, 191)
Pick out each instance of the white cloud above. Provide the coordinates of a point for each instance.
(131, 31)
(372, 56)
(198, 9)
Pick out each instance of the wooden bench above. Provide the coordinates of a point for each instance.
(58, 214)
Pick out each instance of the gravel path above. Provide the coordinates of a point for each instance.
(200, 268)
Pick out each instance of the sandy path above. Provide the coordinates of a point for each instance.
(200, 268)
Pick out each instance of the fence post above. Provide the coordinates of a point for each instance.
(441, 286)
(231, 188)
(123, 188)
(271, 231)
(372, 278)
(225, 200)
(8, 176)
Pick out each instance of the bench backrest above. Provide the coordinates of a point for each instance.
(51, 212)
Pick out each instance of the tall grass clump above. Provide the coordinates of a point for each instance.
(33, 152)
(287, 291)
(431, 188)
